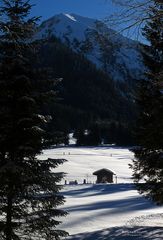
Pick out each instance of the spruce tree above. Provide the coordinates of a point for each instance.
(28, 187)
(148, 163)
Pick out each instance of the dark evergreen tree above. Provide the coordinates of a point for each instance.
(28, 188)
(81, 137)
(148, 163)
(94, 137)
(89, 137)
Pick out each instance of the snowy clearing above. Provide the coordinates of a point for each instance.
(105, 211)
(83, 161)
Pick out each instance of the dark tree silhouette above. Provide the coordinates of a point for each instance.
(148, 165)
(28, 187)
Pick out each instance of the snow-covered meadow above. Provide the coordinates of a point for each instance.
(105, 211)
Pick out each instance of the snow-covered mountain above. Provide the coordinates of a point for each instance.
(115, 54)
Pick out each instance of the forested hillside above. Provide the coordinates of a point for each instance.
(87, 98)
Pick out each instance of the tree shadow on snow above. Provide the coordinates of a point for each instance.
(99, 189)
(122, 233)
(114, 206)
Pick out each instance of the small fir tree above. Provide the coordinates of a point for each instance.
(28, 187)
(148, 163)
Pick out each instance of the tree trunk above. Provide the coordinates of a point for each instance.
(9, 219)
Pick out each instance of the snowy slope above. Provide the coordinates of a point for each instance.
(110, 51)
(105, 211)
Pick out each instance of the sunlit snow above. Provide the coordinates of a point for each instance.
(105, 211)
(70, 17)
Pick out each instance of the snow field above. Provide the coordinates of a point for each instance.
(83, 161)
(105, 211)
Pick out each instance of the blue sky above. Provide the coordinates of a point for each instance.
(89, 8)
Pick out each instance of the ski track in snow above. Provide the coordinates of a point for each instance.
(105, 211)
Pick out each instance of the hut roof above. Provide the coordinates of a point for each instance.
(103, 170)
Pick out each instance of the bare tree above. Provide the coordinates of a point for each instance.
(133, 14)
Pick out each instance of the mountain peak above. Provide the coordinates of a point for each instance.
(110, 51)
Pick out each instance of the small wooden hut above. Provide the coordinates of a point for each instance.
(104, 176)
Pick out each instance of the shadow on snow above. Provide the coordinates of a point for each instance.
(111, 206)
(99, 189)
(122, 233)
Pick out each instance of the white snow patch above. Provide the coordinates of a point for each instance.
(72, 140)
(70, 17)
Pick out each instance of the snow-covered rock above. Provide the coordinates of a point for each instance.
(115, 54)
